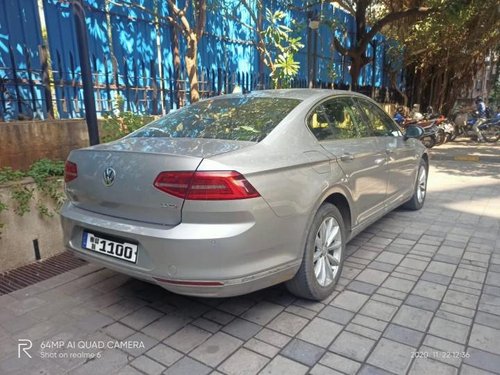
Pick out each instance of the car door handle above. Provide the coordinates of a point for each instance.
(347, 157)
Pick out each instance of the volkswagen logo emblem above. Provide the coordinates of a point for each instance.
(109, 176)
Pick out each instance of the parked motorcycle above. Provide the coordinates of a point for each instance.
(431, 134)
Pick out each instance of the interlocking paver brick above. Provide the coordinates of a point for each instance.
(188, 366)
(119, 331)
(363, 331)
(490, 304)
(164, 355)
(342, 364)
(412, 317)
(303, 352)
(391, 356)
(361, 287)
(166, 325)
(371, 276)
(369, 322)
(216, 349)
(449, 330)
(489, 320)
(485, 338)
(262, 347)
(141, 318)
(263, 312)
(435, 278)
(273, 338)
(398, 284)
(242, 329)
(187, 338)
(352, 346)
(379, 310)
(281, 365)
(461, 299)
(320, 332)
(297, 310)
(287, 323)
(469, 370)
(403, 335)
(414, 263)
(147, 365)
(243, 362)
(430, 290)
(429, 366)
(319, 369)
(336, 315)
(483, 360)
(348, 300)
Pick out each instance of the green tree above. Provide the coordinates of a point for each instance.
(371, 16)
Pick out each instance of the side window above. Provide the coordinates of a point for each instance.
(335, 119)
(380, 123)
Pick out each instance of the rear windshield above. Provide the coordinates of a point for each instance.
(242, 118)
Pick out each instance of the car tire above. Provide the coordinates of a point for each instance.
(324, 252)
(417, 200)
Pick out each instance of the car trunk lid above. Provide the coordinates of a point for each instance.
(117, 179)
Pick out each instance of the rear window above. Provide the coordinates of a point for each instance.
(242, 118)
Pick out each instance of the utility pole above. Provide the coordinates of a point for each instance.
(88, 87)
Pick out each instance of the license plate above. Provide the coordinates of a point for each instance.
(113, 248)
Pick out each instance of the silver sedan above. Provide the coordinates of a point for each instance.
(240, 192)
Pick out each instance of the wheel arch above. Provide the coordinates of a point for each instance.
(340, 201)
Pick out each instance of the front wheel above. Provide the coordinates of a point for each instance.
(416, 202)
(491, 133)
(323, 256)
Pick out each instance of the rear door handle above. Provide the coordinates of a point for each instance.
(347, 157)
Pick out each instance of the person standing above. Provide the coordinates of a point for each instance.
(481, 110)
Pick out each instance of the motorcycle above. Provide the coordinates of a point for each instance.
(431, 134)
(490, 129)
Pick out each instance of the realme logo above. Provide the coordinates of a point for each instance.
(24, 345)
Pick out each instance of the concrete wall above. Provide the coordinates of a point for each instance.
(22, 143)
(18, 233)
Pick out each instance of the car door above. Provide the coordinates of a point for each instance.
(401, 153)
(340, 130)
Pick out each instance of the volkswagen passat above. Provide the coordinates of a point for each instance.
(240, 192)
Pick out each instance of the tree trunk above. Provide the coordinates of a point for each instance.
(356, 65)
(192, 66)
(176, 57)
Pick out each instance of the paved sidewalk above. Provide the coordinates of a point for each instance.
(419, 294)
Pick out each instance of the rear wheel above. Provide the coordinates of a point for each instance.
(323, 256)
(416, 202)
(428, 141)
(440, 137)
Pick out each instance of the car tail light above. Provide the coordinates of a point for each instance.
(70, 171)
(213, 185)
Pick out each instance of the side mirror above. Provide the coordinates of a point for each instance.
(413, 131)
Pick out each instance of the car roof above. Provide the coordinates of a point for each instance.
(300, 94)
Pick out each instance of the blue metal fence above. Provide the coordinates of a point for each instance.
(131, 56)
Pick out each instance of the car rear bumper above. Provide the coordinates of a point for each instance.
(199, 259)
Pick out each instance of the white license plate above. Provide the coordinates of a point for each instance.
(113, 248)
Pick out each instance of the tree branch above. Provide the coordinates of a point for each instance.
(339, 47)
(347, 5)
(391, 17)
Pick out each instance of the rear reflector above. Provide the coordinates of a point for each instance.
(190, 283)
(70, 171)
(213, 185)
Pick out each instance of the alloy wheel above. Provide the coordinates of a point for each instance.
(327, 251)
